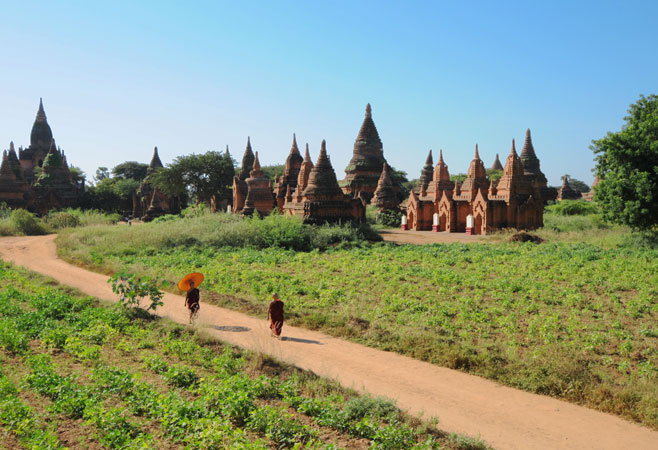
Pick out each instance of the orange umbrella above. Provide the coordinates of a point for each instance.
(184, 283)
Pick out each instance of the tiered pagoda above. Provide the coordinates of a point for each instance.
(532, 170)
(426, 174)
(365, 167)
(150, 202)
(566, 192)
(322, 199)
(239, 183)
(41, 177)
(496, 165)
(259, 192)
(514, 202)
(290, 174)
(385, 197)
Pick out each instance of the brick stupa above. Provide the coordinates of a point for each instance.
(290, 174)
(259, 192)
(566, 192)
(322, 199)
(365, 167)
(426, 174)
(385, 197)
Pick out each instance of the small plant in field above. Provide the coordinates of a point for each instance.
(132, 289)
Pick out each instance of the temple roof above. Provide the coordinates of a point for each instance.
(256, 172)
(41, 134)
(497, 165)
(477, 174)
(155, 161)
(384, 196)
(247, 161)
(322, 182)
(528, 156)
(13, 161)
(6, 172)
(441, 169)
(368, 141)
(427, 174)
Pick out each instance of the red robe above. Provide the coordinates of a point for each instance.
(276, 316)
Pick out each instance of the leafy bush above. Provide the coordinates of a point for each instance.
(389, 217)
(573, 208)
(132, 289)
(62, 219)
(26, 223)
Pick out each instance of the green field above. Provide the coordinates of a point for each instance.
(79, 374)
(574, 320)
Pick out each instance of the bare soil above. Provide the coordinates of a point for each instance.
(505, 418)
(400, 236)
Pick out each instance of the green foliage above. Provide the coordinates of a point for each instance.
(576, 185)
(389, 217)
(627, 166)
(62, 219)
(272, 170)
(130, 170)
(26, 223)
(494, 175)
(573, 208)
(205, 176)
(132, 289)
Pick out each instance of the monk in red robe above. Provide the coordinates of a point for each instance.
(275, 315)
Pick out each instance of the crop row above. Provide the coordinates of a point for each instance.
(82, 358)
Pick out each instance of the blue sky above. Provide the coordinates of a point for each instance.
(118, 78)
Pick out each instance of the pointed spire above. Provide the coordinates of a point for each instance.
(513, 151)
(294, 148)
(477, 155)
(429, 161)
(155, 160)
(11, 146)
(427, 174)
(323, 152)
(322, 183)
(41, 114)
(228, 155)
(307, 155)
(441, 156)
(528, 149)
(247, 161)
(497, 165)
(256, 165)
(6, 172)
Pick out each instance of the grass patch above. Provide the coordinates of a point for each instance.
(573, 317)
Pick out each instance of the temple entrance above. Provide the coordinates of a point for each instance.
(478, 224)
(443, 221)
(412, 221)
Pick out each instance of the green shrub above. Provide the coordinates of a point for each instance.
(573, 208)
(26, 223)
(389, 217)
(132, 289)
(62, 219)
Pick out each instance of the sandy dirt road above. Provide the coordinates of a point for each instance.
(427, 237)
(505, 418)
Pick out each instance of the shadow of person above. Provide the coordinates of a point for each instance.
(302, 341)
(232, 328)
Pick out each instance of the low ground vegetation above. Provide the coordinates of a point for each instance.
(78, 374)
(20, 222)
(573, 317)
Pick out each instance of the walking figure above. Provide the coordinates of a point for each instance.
(190, 283)
(192, 301)
(275, 315)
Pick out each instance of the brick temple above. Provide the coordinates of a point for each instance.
(150, 202)
(38, 178)
(478, 205)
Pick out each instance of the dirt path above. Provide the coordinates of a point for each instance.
(426, 237)
(504, 417)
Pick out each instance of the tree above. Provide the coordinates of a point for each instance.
(577, 185)
(204, 176)
(627, 165)
(101, 174)
(130, 169)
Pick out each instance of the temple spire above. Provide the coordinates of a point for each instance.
(155, 160)
(441, 156)
(41, 114)
(513, 151)
(294, 148)
(256, 166)
(368, 111)
(429, 161)
(307, 155)
(497, 164)
(477, 155)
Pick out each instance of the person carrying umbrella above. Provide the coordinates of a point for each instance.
(275, 315)
(189, 283)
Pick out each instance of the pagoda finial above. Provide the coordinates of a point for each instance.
(11, 146)
(430, 160)
(441, 155)
(41, 114)
(513, 151)
(368, 111)
(227, 152)
(256, 165)
(323, 147)
(307, 155)
(249, 142)
(477, 155)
